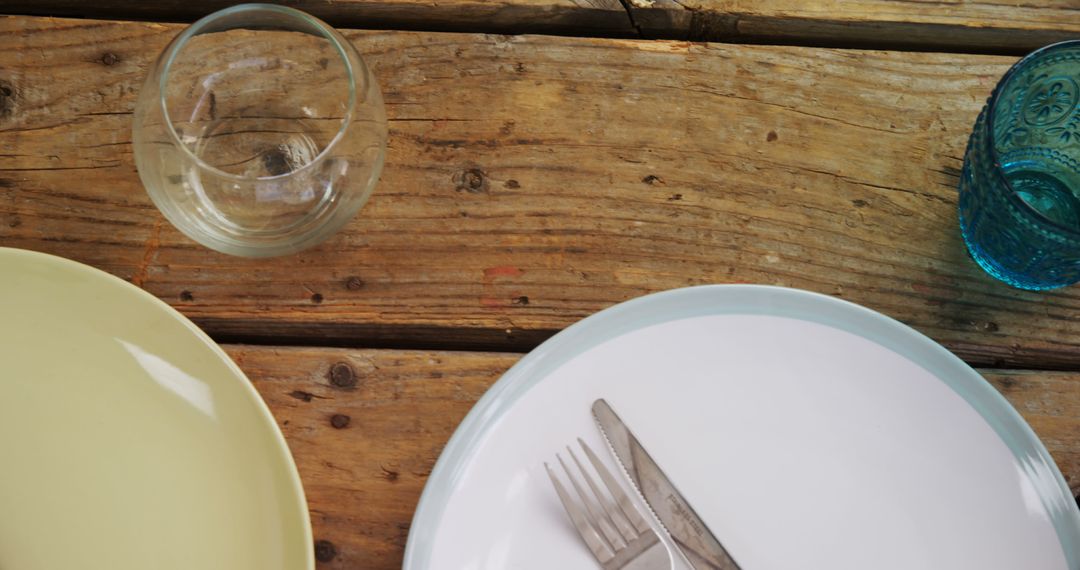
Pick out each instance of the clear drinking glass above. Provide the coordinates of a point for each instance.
(259, 131)
(1020, 186)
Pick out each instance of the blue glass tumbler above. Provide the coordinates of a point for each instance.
(1020, 186)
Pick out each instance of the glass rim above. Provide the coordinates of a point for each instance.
(325, 31)
(999, 172)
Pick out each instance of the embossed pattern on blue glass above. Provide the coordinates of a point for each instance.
(1020, 186)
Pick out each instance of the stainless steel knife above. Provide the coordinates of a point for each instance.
(685, 527)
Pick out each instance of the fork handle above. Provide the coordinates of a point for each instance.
(656, 557)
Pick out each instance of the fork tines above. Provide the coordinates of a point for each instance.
(610, 523)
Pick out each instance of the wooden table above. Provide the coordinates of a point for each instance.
(532, 180)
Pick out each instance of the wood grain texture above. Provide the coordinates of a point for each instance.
(532, 181)
(1050, 402)
(364, 452)
(986, 26)
(566, 17)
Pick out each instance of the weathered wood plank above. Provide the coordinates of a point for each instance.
(566, 17)
(532, 181)
(365, 452)
(986, 26)
(1050, 402)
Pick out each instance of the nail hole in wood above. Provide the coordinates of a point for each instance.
(342, 375)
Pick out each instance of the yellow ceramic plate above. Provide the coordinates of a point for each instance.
(128, 439)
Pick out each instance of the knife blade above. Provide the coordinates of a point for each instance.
(687, 530)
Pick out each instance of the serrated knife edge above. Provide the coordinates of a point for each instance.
(690, 534)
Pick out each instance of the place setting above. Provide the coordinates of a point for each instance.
(719, 424)
(859, 442)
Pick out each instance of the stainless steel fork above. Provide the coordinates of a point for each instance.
(611, 525)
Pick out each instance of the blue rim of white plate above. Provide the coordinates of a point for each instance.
(706, 300)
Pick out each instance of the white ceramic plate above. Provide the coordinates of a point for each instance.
(808, 432)
(128, 439)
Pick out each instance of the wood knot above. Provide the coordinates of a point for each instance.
(316, 298)
(186, 296)
(109, 58)
(354, 283)
(988, 326)
(340, 421)
(7, 98)
(325, 551)
(771, 136)
(389, 474)
(474, 180)
(653, 180)
(342, 375)
(512, 184)
(471, 180)
(277, 161)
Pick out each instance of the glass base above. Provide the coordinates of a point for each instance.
(1000, 273)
